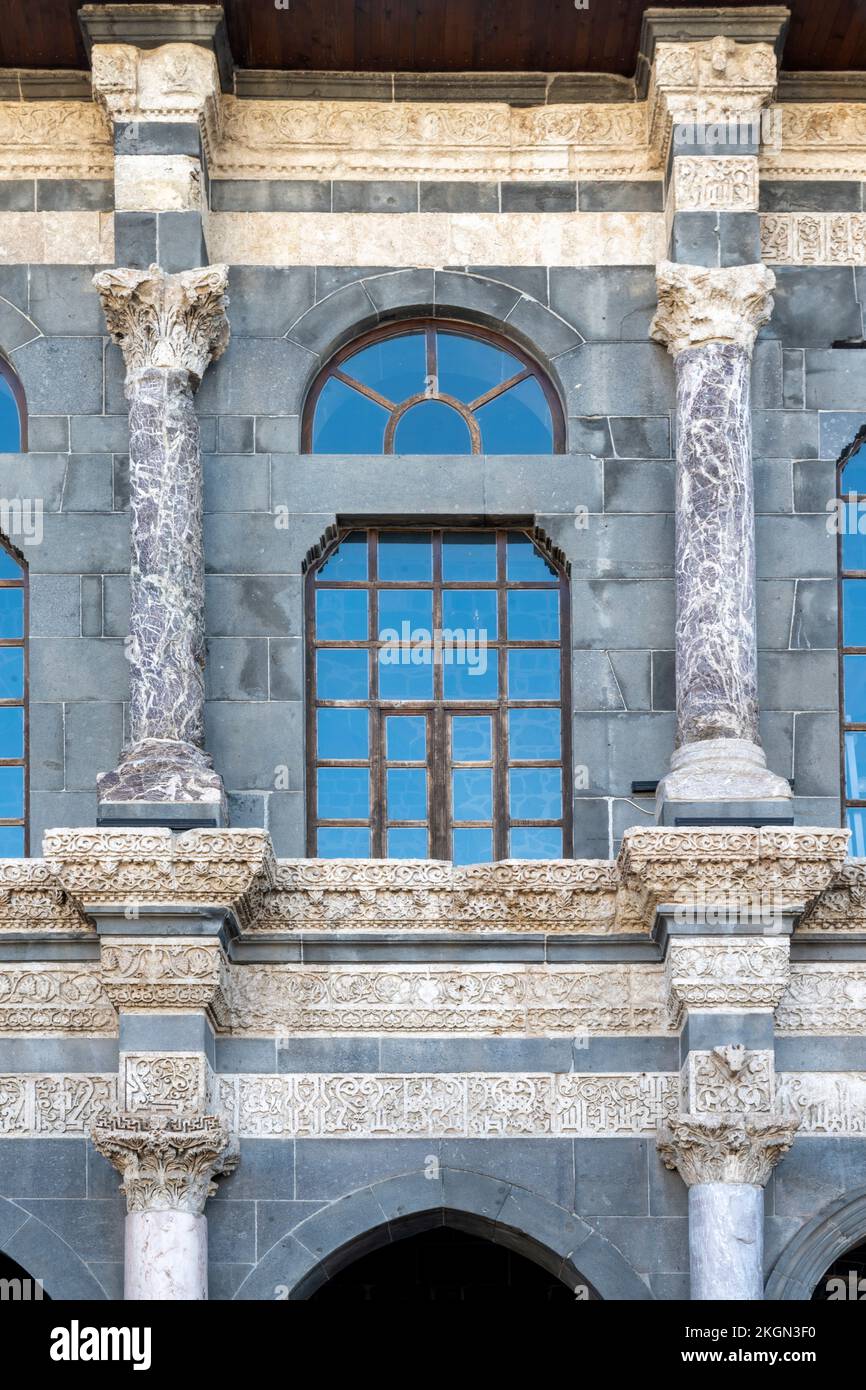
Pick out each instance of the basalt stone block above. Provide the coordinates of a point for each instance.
(837, 430)
(91, 605)
(270, 195)
(49, 809)
(279, 434)
(797, 547)
(814, 485)
(18, 195)
(785, 433)
(610, 1178)
(816, 744)
(61, 376)
(774, 603)
(252, 605)
(266, 1171)
(46, 748)
(663, 681)
(531, 280)
(74, 195)
(180, 239)
(62, 300)
(287, 823)
(236, 434)
(472, 295)
(695, 238)
(632, 672)
(593, 683)
(55, 605)
(739, 238)
(624, 613)
(327, 1168)
(591, 827)
(814, 306)
(617, 379)
(815, 616)
(99, 433)
(605, 303)
(255, 376)
(793, 378)
(115, 592)
(374, 195)
(807, 195)
(237, 668)
(135, 239)
(590, 435)
(620, 195)
(458, 195)
(78, 669)
(548, 333)
(236, 483)
(267, 300)
(790, 680)
(231, 1231)
(537, 196)
(618, 749)
(83, 542)
(247, 809)
(32, 1168)
(773, 485)
(401, 288)
(641, 436)
(89, 483)
(835, 379)
(253, 744)
(286, 668)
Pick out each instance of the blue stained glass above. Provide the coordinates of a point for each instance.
(11, 793)
(407, 793)
(343, 793)
(432, 427)
(535, 793)
(11, 673)
(342, 674)
(11, 841)
(854, 677)
(472, 845)
(468, 557)
(343, 842)
(854, 612)
(473, 609)
(471, 738)
(12, 612)
(405, 556)
(534, 734)
(395, 367)
(406, 738)
(536, 842)
(524, 563)
(853, 538)
(470, 367)
(342, 733)
(472, 674)
(11, 732)
(517, 422)
(347, 422)
(407, 842)
(349, 561)
(855, 765)
(341, 615)
(9, 566)
(533, 673)
(472, 793)
(412, 606)
(10, 422)
(533, 615)
(406, 675)
(854, 473)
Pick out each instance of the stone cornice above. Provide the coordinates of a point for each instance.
(152, 26)
(707, 82)
(166, 1163)
(33, 900)
(170, 973)
(176, 82)
(177, 322)
(728, 974)
(735, 1149)
(699, 305)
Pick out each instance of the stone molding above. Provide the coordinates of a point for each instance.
(175, 82)
(33, 900)
(737, 1149)
(49, 998)
(809, 238)
(707, 82)
(54, 140)
(842, 907)
(173, 322)
(166, 1163)
(725, 973)
(232, 869)
(714, 184)
(154, 25)
(824, 997)
(818, 140)
(165, 973)
(699, 305)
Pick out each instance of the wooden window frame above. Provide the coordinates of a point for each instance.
(846, 726)
(437, 710)
(429, 327)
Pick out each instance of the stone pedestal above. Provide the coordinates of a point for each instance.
(169, 328)
(168, 1164)
(708, 319)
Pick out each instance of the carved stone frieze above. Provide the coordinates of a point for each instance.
(824, 997)
(530, 1000)
(165, 1083)
(164, 973)
(33, 900)
(54, 140)
(727, 1080)
(722, 304)
(710, 184)
(48, 997)
(841, 907)
(175, 82)
(726, 973)
(810, 238)
(819, 140)
(177, 322)
(824, 1102)
(707, 82)
(125, 868)
(166, 1163)
(737, 1149)
(49, 1105)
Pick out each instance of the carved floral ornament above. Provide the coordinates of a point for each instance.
(167, 1163)
(699, 305)
(177, 322)
(737, 1149)
(175, 82)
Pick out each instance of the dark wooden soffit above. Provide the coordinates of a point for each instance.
(439, 35)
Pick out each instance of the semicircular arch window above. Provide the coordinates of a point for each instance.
(432, 387)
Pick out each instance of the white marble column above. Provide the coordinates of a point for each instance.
(726, 1160)
(169, 327)
(708, 320)
(168, 1165)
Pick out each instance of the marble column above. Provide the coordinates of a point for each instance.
(169, 327)
(708, 319)
(168, 1165)
(726, 1161)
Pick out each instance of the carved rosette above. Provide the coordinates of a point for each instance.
(175, 322)
(732, 1149)
(167, 1163)
(699, 305)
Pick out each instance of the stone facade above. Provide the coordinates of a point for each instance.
(626, 1059)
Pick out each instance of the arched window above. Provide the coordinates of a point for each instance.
(432, 387)
(851, 540)
(13, 704)
(437, 697)
(13, 412)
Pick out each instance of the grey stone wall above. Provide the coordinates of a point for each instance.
(589, 327)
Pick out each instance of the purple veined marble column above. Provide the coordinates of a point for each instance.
(708, 319)
(169, 327)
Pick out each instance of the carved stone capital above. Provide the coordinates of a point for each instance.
(707, 82)
(175, 82)
(167, 1163)
(699, 305)
(177, 322)
(728, 973)
(165, 973)
(735, 1149)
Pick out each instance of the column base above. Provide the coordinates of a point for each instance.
(162, 782)
(723, 780)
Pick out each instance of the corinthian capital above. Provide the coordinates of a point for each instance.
(725, 1148)
(699, 305)
(167, 1163)
(174, 321)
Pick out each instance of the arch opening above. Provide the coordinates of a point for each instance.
(17, 1286)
